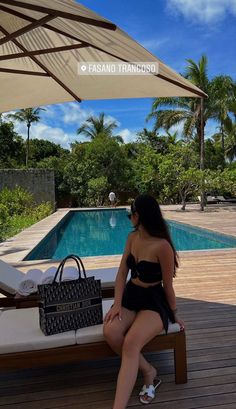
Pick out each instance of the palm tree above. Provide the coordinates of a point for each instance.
(230, 143)
(222, 90)
(94, 127)
(160, 143)
(171, 111)
(191, 112)
(229, 130)
(29, 116)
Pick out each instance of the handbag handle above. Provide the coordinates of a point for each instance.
(60, 268)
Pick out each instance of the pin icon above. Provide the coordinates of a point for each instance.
(83, 67)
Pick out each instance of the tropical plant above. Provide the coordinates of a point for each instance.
(179, 174)
(29, 116)
(11, 146)
(222, 89)
(145, 171)
(160, 143)
(16, 200)
(94, 165)
(228, 129)
(230, 142)
(97, 191)
(99, 126)
(18, 211)
(183, 110)
(191, 112)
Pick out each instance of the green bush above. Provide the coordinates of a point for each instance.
(3, 221)
(41, 211)
(16, 201)
(18, 211)
(97, 191)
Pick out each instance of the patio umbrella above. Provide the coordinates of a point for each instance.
(40, 48)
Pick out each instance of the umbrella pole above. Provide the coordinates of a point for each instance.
(202, 154)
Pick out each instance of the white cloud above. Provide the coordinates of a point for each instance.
(211, 128)
(127, 135)
(5, 115)
(72, 113)
(69, 116)
(154, 44)
(203, 11)
(46, 132)
(109, 118)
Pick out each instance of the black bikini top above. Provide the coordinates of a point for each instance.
(146, 271)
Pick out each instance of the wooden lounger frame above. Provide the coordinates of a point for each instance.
(96, 350)
(89, 351)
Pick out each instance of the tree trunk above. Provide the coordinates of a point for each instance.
(183, 200)
(202, 153)
(27, 146)
(183, 204)
(222, 139)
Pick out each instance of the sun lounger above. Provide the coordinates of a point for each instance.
(210, 199)
(11, 277)
(223, 199)
(23, 345)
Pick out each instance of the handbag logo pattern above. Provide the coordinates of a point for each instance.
(70, 305)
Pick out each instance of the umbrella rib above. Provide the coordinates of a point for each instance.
(83, 44)
(163, 77)
(11, 71)
(26, 29)
(86, 44)
(179, 84)
(24, 17)
(40, 52)
(22, 48)
(86, 20)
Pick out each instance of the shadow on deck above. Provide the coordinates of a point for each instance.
(211, 346)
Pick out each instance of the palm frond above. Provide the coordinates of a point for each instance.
(167, 118)
(189, 126)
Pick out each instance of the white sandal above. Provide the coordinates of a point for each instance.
(149, 391)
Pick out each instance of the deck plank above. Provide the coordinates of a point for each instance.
(206, 294)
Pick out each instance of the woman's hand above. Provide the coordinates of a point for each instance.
(115, 311)
(180, 322)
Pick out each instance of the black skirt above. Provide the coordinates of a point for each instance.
(137, 298)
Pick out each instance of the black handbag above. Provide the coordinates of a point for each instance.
(70, 305)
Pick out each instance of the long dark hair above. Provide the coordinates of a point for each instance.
(150, 217)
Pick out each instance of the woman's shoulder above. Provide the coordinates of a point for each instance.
(163, 245)
(131, 236)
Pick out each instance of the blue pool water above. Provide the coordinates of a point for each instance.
(104, 232)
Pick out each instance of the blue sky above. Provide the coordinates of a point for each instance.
(173, 30)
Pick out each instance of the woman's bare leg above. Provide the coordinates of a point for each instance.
(145, 327)
(114, 334)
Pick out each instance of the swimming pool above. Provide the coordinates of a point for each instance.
(104, 232)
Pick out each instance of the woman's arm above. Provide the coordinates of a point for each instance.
(120, 284)
(166, 258)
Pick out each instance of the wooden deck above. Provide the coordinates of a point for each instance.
(206, 300)
(206, 291)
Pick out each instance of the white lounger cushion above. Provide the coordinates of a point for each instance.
(106, 275)
(95, 333)
(10, 277)
(20, 331)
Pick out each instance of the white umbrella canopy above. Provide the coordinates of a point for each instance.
(40, 48)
